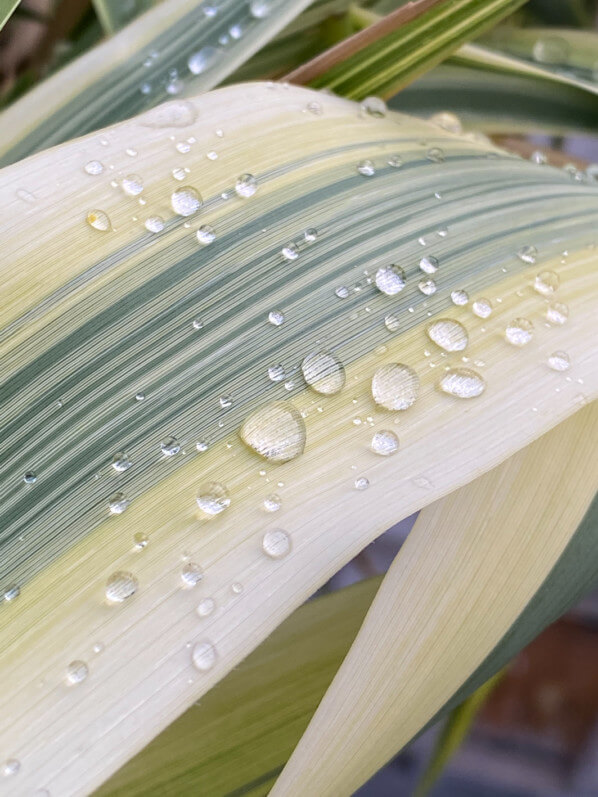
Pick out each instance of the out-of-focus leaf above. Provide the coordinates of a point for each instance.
(7, 8)
(115, 14)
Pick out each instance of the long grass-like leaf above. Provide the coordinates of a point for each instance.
(114, 14)
(104, 365)
(7, 8)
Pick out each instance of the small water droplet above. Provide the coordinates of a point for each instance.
(246, 185)
(392, 323)
(551, 50)
(154, 224)
(197, 324)
(527, 254)
(538, 157)
(139, 396)
(447, 121)
(366, 168)
(76, 672)
(98, 647)
(191, 574)
(276, 373)
(30, 477)
(290, 252)
(94, 167)
(448, 334)
(559, 361)
(519, 332)
(395, 386)
(276, 432)
(272, 503)
(428, 264)
(10, 767)
(98, 220)
(385, 443)
(482, 308)
(427, 287)
(315, 108)
(546, 283)
(459, 297)
(204, 656)
(276, 543)
(170, 446)
(213, 498)
(179, 173)
(557, 313)
(390, 279)
(226, 402)
(185, 201)
(202, 446)
(361, 483)
(140, 540)
(183, 147)
(260, 9)
(118, 503)
(121, 462)
(435, 155)
(462, 383)
(323, 372)
(174, 86)
(11, 592)
(342, 292)
(395, 161)
(276, 317)
(132, 184)
(310, 235)
(374, 106)
(205, 607)
(120, 586)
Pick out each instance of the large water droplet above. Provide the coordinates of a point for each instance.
(213, 498)
(429, 264)
(191, 574)
(276, 432)
(395, 386)
(30, 477)
(448, 334)
(551, 50)
(385, 443)
(557, 313)
(185, 201)
(374, 106)
(121, 462)
(132, 184)
(276, 317)
(120, 586)
(482, 308)
(322, 371)
(366, 168)
(98, 220)
(94, 167)
(76, 672)
(170, 446)
(559, 361)
(519, 332)
(290, 252)
(202, 60)
(246, 185)
(390, 279)
(459, 297)
(118, 503)
(276, 543)
(462, 383)
(546, 282)
(204, 656)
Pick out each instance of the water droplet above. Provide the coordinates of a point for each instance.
(427, 287)
(342, 292)
(246, 185)
(94, 167)
(527, 254)
(132, 184)
(546, 283)
(559, 361)
(385, 443)
(191, 574)
(551, 50)
(154, 224)
(197, 323)
(435, 154)
(395, 386)
(276, 373)
(276, 317)
(392, 323)
(179, 173)
(118, 503)
(276, 543)
(519, 331)
(204, 656)
(276, 432)
(557, 313)
(366, 168)
(11, 592)
(183, 147)
(538, 157)
(10, 767)
(236, 587)
(462, 383)
(272, 503)
(482, 308)
(170, 446)
(448, 334)
(179, 113)
(390, 279)
(213, 498)
(201, 446)
(98, 220)
(290, 252)
(395, 161)
(310, 235)
(140, 396)
(205, 607)
(121, 462)
(428, 264)
(361, 483)
(459, 297)
(185, 201)
(322, 371)
(76, 672)
(226, 402)
(259, 9)
(447, 121)
(30, 477)
(140, 540)
(120, 586)
(374, 106)
(206, 235)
